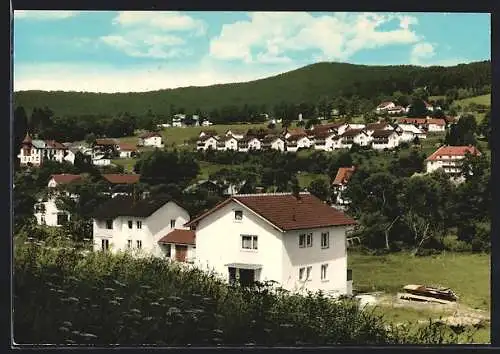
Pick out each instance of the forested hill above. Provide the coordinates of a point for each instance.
(307, 84)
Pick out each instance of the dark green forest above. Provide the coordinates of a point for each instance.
(307, 85)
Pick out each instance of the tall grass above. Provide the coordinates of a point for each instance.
(63, 297)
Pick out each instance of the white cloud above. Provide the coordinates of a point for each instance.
(423, 54)
(148, 33)
(337, 36)
(43, 15)
(106, 78)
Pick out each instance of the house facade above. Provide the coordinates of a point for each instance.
(151, 139)
(207, 142)
(339, 185)
(449, 158)
(35, 152)
(354, 136)
(126, 150)
(46, 211)
(141, 226)
(297, 241)
(436, 125)
(385, 139)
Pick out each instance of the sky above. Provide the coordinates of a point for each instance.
(125, 51)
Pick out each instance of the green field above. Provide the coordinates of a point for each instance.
(468, 275)
(484, 100)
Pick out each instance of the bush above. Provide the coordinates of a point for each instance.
(452, 244)
(65, 297)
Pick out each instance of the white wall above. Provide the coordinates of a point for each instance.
(218, 242)
(436, 128)
(49, 216)
(393, 141)
(231, 144)
(153, 228)
(335, 256)
(153, 141)
(278, 144)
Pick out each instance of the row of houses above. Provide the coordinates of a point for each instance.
(326, 137)
(392, 108)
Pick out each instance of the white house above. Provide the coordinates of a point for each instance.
(205, 133)
(151, 139)
(297, 241)
(338, 128)
(35, 152)
(228, 143)
(150, 226)
(436, 125)
(46, 210)
(207, 142)
(354, 136)
(384, 139)
(249, 143)
(384, 106)
(126, 150)
(235, 133)
(296, 142)
(325, 141)
(449, 158)
(408, 132)
(370, 128)
(206, 123)
(273, 142)
(101, 160)
(355, 126)
(339, 185)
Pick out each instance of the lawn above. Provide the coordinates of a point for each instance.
(483, 99)
(128, 164)
(305, 178)
(207, 168)
(468, 275)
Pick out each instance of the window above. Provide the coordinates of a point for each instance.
(168, 250)
(109, 224)
(325, 239)
(248, 242)
(139, 244)
(172, 223)
(105, 245)
(309, 239)
(324, 268)
(308, 273)
(139, 224)
(301, 273)
(302, 240)
(238, 215)
(62, 219)
(129, 243)
(130, 224)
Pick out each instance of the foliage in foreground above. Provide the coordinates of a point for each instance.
(63, 297)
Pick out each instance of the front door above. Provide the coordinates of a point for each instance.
(247, 277)
(180, 253)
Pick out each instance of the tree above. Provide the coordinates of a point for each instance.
(417, 108)
(484, 128)
(463, 132)
(319, 188)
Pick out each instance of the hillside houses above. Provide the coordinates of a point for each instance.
(324, 137)
(339, 185)
(126, 150)
(151, 139)
(449, 158)
(35, 152)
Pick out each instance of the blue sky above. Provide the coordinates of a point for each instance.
(115, 51)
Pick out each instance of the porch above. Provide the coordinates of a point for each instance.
(244, 273)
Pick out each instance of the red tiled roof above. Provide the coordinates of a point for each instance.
(118, 178)
(127, 147)
(382, 133)
(286, 212)
(453, 151)
(412, 120)
(296, 137)
(376, 126)
(344, 174)
(436, 121)
(179, 237)
(297, 131)
(105, 141)
(65, 178)
(149, 135)
(322, 134)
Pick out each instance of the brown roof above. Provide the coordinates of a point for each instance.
(436, 121)
(382, 133)
(52, 144)
(180, 237)
(453, 151)
(27, 139)
(343, 176)
(271, 138)
(296, 137)
(328, 126)
(105, 141)
(121, 178)
(383, 104)
(149, 135)
(353, 132)
(286, 212)
(206, 137)
(322, 134)
(127, 147)
(65, 178)
(412, 120)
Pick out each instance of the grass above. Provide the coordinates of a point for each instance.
(466, 274)
(483, 99)
(207, 168)
(305, 178)
(128, 164)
